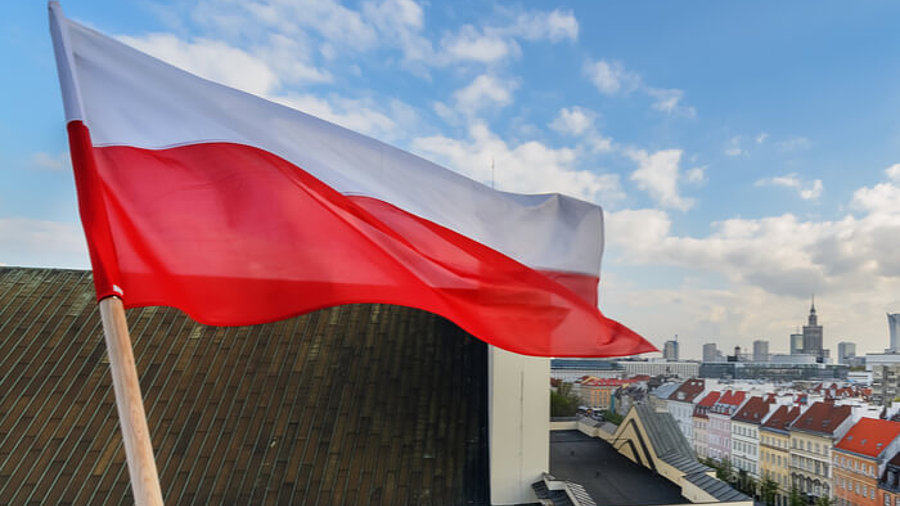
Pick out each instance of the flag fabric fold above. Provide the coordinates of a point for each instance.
(238, 210)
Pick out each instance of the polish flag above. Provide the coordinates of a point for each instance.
(239, 211)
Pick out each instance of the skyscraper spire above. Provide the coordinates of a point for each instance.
(812, 306)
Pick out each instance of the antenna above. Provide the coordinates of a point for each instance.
(492, 172)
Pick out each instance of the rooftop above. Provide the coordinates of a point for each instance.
(822, 418)
(782, 418)
(688, 391)
(869, 437)
(753, 411)
(609, 477)
(355, 405)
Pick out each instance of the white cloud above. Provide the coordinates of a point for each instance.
(470, 45)
(46, 161)
(669, 101)
(573, 120)
(807, 190)
(535, 25)
(773, 261)
(761, 138)
(30, 242)
(211, 59)
(610, 77)
(696, 175)
(529, 167)
(658, 174)
(485, 91)
(733, 146)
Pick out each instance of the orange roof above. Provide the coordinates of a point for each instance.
(870, 437)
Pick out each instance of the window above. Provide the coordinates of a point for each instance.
(872, 493)
(887, 500)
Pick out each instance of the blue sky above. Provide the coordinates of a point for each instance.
(747, 155)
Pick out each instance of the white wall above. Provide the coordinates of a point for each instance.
(519, 418)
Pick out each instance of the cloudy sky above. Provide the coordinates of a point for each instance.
(747, 155)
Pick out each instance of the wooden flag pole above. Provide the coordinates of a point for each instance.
(138, 448)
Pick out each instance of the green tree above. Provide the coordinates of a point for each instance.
(768, 490)
(613, 417)
(724, 471)
(824, 501)
(796, 499)
(563, 401)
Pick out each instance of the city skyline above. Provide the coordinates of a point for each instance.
(741, 165)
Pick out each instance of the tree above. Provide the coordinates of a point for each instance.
(796, 499)
(724, 471)
(563, 401)
(768, 490)
(824, 501)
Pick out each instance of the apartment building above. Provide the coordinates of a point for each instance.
(745, 435)
(812, 436)
(700, 423)
(719, 428)
(859, 460)
(774, 445)
(681, 405)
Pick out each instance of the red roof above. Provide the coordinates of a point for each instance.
(688, 391)
(822, 417)
(782, 417)
(869, 437)
(710, 399)
(752, 412)
(702, 407)
(733, 398)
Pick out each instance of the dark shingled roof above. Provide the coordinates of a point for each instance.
(362, 404)
(782, 418)
(822, 418)
(753, 411)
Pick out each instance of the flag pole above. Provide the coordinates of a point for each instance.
(132, 418)
(135, 433)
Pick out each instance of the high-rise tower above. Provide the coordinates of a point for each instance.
(894, 326)
(812, 333)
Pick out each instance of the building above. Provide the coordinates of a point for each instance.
(894, 329)
(846, 352)
(885, 378)
(860, 458)
(652, 439)
(745, 435)
(889, 483)
(787, 371)
(680, 369)
(774, 445)
(719, 429)
(812, 437)
(571, 369)
(659, 396)
(700, 422)
(349, 405)
(681, 405)
(597, 393)
(796, 344)
(760, 351)
(711, 353)
(812, 334)
(670, 350)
